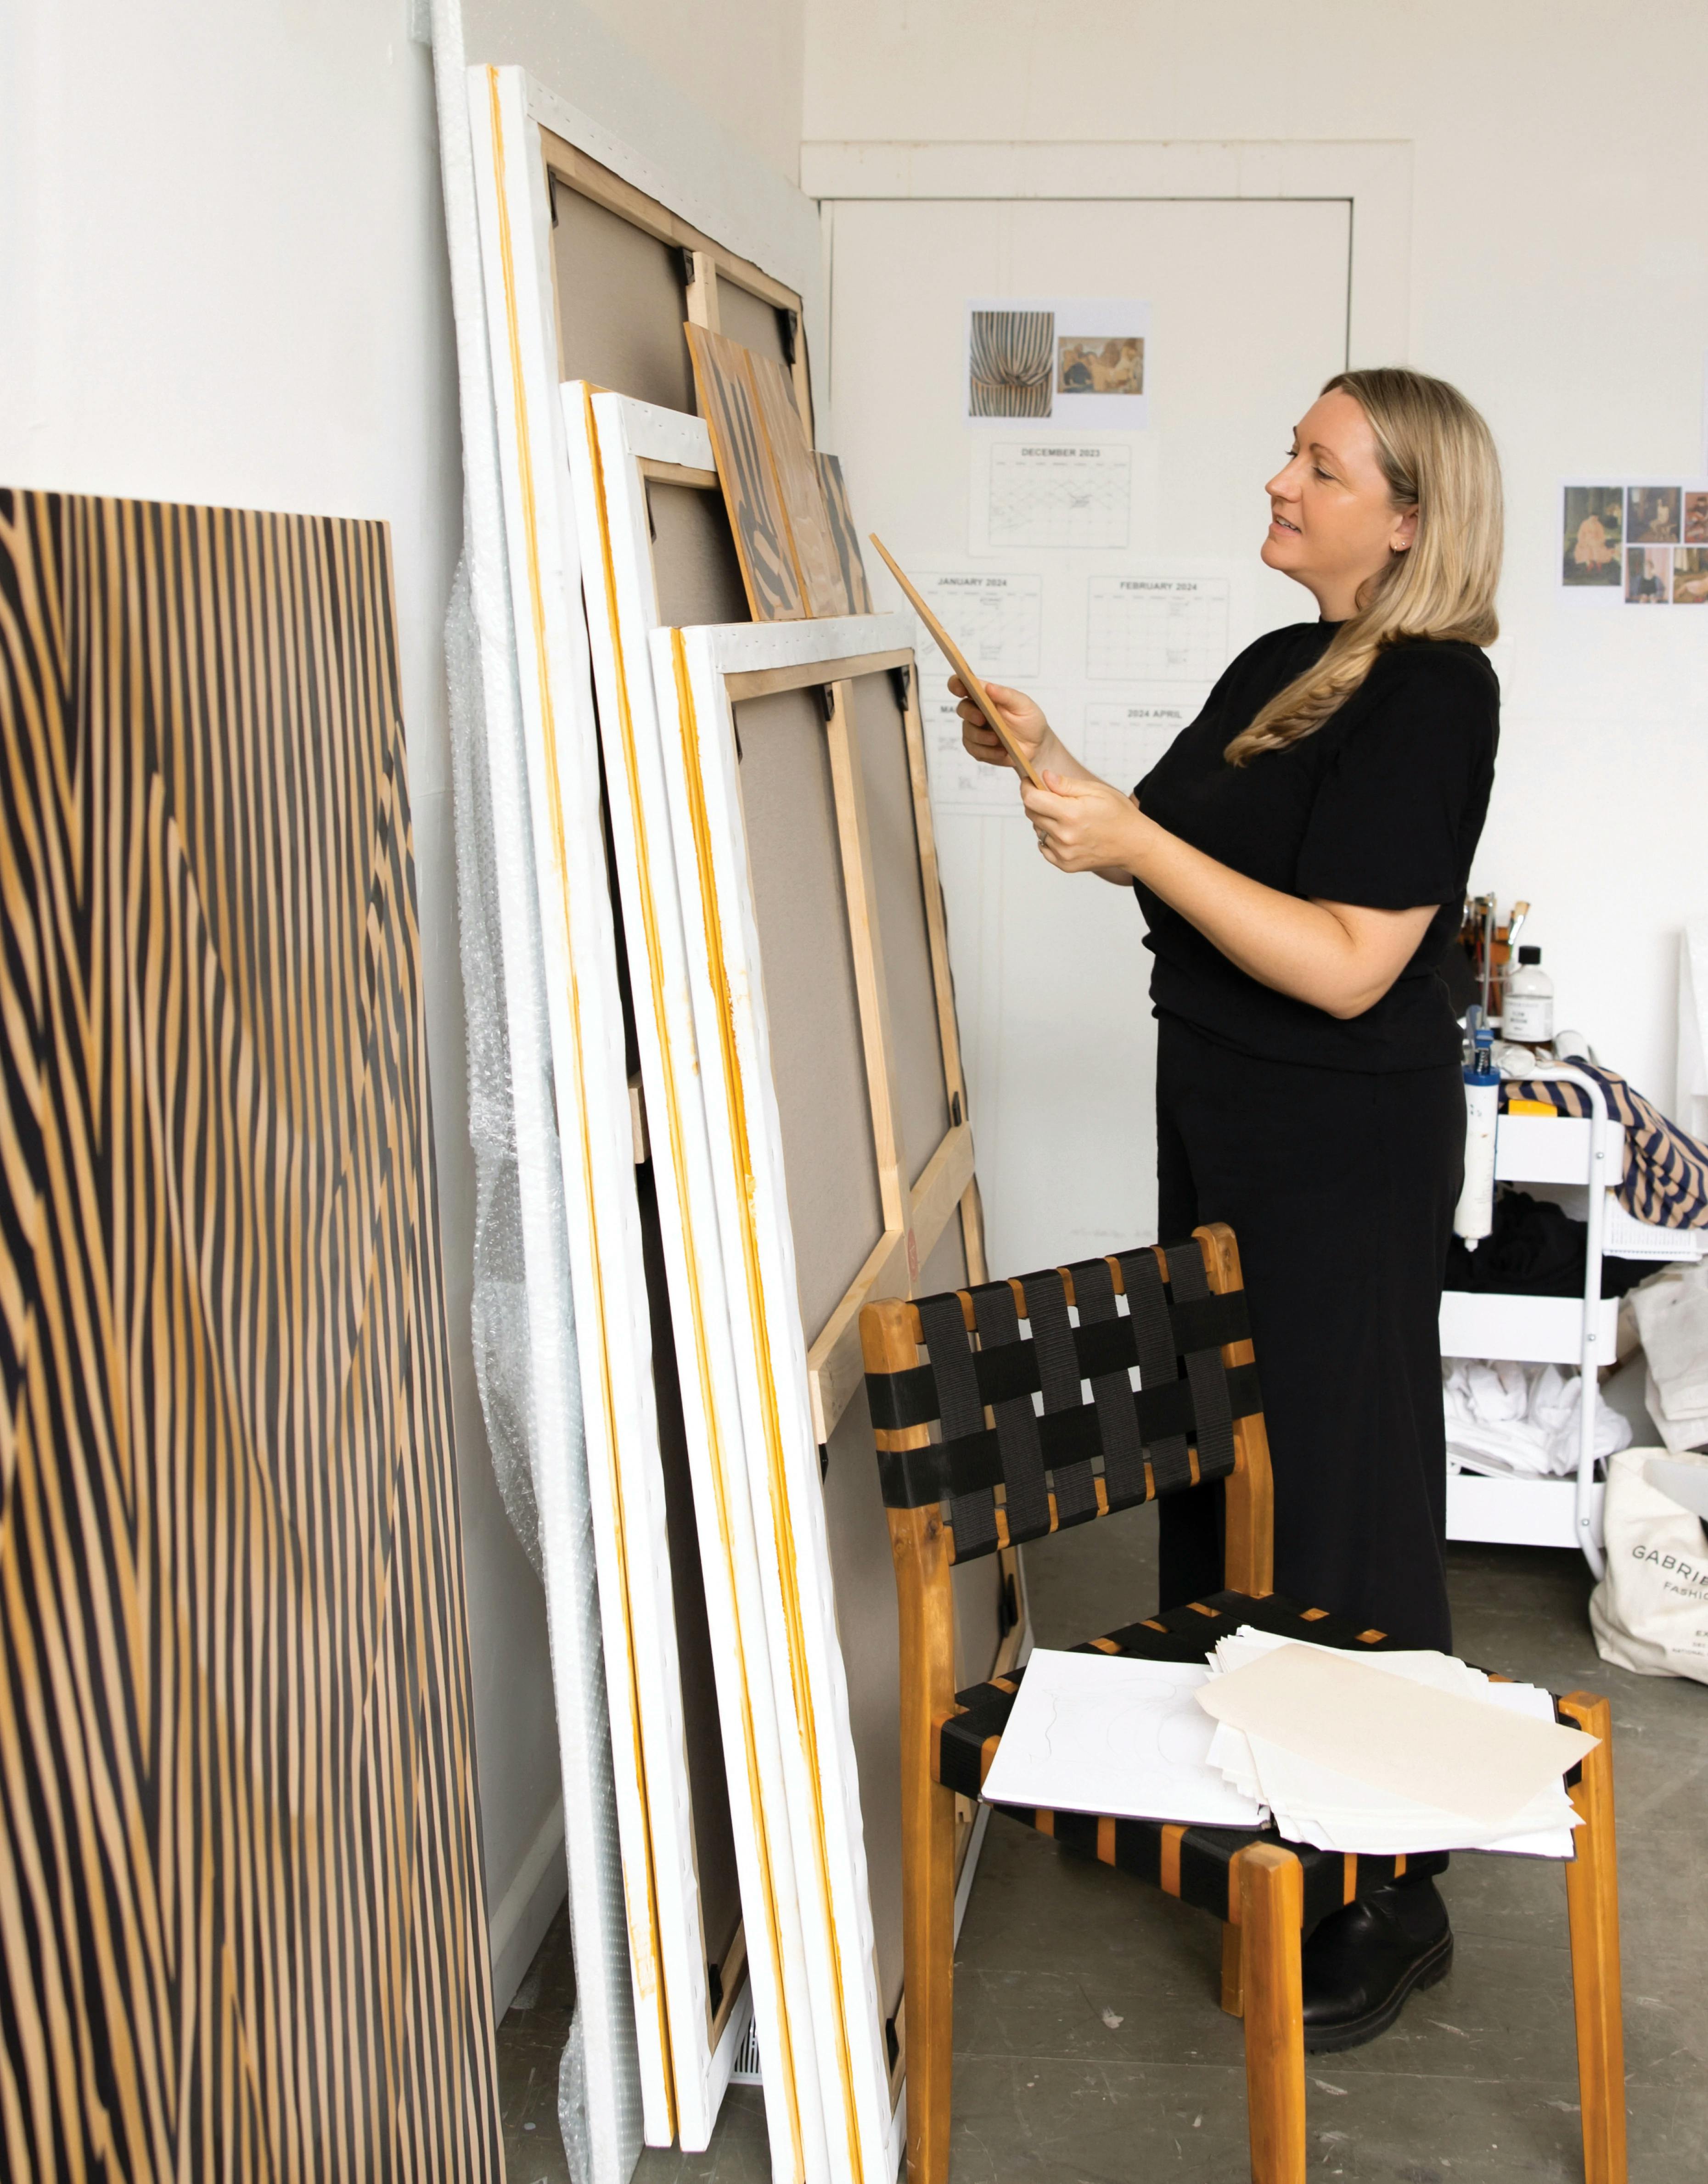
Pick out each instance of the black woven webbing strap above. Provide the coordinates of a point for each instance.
(1170, 1465)
(1058, 1376)
(1204, 1370)
(972, 1517)
(1016, 1422)
(1124, 1454)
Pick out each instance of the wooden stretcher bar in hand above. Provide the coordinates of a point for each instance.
(951, 652)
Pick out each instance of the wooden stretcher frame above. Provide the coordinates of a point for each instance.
(712, 265)
(795, 1393)
(610, 497)
(619, 448)
(686, 2050)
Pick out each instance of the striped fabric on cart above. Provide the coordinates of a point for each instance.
(1665, 1178)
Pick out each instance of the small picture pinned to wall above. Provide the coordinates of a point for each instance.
(1652, 515)
(1636, 544)
(1008, 358)
(1080, 361)
(1090, 366)
(1690, 572)
(1649, 575)
(1595, 534)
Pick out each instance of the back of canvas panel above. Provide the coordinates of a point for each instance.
(1247, 317)
(916, 1041)
(812, 1010)
(694, 563)
(620, 309)
(620, 302)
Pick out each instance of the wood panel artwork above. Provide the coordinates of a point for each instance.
(730, 407)
(794, 562)
(834, 487)
(241, 1918)
(810, 533)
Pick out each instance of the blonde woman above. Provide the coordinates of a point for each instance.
(1300, 855)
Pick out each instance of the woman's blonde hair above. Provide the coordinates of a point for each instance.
(1438, 457)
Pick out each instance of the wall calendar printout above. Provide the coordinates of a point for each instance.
(1156, 629)
(996, 619)
(1058, 493)
(960, 782)
(1122, 743)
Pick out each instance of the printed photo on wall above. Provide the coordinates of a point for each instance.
(1009, 355)
(1649, 575)
(1079, 361)
(1100, 367)
(1652, 515)
(1637, 544)
(1690, 573)
(1595, 534)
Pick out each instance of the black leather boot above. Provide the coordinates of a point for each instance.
(1361, 1963)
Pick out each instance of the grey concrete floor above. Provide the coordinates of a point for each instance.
(1088, 2046)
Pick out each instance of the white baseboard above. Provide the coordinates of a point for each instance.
(527, 1908)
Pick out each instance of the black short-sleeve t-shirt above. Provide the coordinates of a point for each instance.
(1381, 806)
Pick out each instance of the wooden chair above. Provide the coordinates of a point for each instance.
(998, 1473)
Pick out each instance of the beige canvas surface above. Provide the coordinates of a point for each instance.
(865, 1580)
(921, 1094)
(750, 321)
(619, 303)
(693, 560)
(817, 1059)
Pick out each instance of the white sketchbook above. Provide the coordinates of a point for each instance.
(1092, 1733)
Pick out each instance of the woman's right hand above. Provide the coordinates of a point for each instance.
(1024, 720)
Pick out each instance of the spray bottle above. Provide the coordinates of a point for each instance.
(1474, 1218)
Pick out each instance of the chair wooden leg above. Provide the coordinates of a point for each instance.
(928, 1836)
(1233, 1971)
(1272, 1921)
(1592, 1902)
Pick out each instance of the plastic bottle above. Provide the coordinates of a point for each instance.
(1528, 1019)
(1474, 1216)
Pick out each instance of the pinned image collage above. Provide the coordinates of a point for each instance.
(1078, 361)
(1645, 545)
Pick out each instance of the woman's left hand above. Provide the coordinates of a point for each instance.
(1083, 826)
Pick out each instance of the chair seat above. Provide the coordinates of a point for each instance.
(1194, 1864)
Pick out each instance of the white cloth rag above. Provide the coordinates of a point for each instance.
(1520, 1421)
(1672, 1316)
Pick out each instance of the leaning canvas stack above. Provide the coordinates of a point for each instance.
(739, 1102)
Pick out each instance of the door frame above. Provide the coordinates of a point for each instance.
(1374, 181)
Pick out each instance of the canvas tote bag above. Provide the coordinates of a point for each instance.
(1650, 1612)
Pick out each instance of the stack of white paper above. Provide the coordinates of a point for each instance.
(1344, 1765)
(1093, 1733)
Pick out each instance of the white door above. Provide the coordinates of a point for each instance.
(1247, 316)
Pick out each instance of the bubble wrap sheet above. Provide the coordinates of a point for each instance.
(533, 1417)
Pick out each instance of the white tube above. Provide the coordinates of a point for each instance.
(1475, 1215)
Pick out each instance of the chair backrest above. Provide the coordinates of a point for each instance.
(1008, 1472)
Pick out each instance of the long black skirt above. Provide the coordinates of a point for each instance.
(1340, 1189)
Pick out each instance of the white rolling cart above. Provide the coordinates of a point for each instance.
(1588, 1155)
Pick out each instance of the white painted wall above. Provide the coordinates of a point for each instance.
(737, 62)
(223, 272)
(1558, 275)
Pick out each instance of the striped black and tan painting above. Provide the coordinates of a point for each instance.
(241, 1926)
(751, 494)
